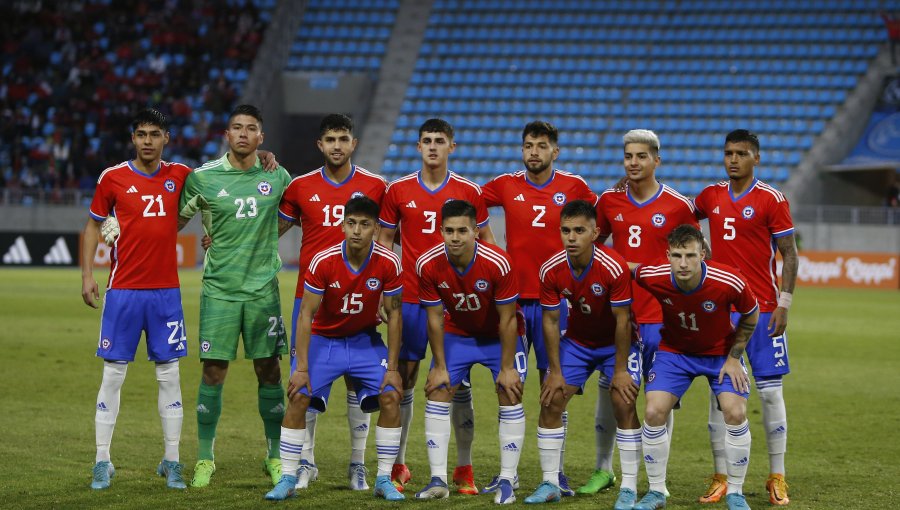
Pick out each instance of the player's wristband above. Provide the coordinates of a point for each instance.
(784, 300)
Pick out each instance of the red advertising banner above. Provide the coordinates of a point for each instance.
(186, 247)
(848, 269)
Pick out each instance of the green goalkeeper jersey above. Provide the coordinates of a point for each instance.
(240, 213)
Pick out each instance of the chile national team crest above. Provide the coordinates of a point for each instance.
(597, 289)
(481, 285)
(559, 198)
(708, 306)
(748, 212)
(373, 283)
(169, 185)
(357, 194)
(658, 219)
(105, 344)
(204, 346)
(264, 188)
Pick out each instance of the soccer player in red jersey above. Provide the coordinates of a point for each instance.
(639, 217)
(337, 337)
(143, 293)
(698, 339)
(413, 204)
(596, 280)
(531, 200)
(474, 282)
(748, 221)
(315, 202)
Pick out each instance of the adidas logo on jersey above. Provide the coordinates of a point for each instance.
(668, 302)
(18, 253)
(619, 217)
(102, 407)
(222, 193)
(566, 292)
(315, 198)
(444, 285)
(411, 204)
(431, 444)
(335, 285)
(780, 363)
(519, 198)
(59, 253)
(511, 447)
(174, 405)
(716, 210)
(132, 190)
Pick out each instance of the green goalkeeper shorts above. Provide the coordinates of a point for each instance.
(258, 321)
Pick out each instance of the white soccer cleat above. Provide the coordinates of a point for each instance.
(357, 474)
(306, 473)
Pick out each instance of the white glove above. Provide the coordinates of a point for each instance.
(109, 229)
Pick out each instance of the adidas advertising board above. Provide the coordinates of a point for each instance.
(38, 249)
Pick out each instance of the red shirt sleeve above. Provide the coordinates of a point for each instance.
(389, 216)
(746, 300)
(428, 295)
(602, 220)
(620, 293)
(491, 192)
(481, 213)
(549, 296)
(394, 282)
(315, 281)
(103, 200)
(700, 203)
(287, 209)
(780, 222)
(507, 288)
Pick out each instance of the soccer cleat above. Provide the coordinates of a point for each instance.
(504, 494)
(736, 501)
(103, 471)
(546, 492)
(172, 471)
(492, 487)
(600, 479)
(272, 467)
(464, 479)
(384, 488)
(203, 471)
(718, 485)
(651, 501)
(777, 488)
(626, 500)
(436, 489)
(400, 476)
(356, 473)
(564, 489)
(306, 473)
(283, 489)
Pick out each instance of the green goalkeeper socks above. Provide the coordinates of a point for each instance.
(209, 409)
(271, 409)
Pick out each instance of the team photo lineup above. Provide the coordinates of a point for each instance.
(400, 276)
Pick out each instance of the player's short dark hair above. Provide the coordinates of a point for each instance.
(335, 122)
(436, 126)
(362, 206)
(743, 135)
(683, 234)
(246, 109)
(578, 208)
(456, 208)
(539, 128)
(149, 116)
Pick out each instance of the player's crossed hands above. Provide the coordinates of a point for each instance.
(299, 379)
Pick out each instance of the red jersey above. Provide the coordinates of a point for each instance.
(350, 298)
(698, 322)
(146, 206)
(469, 297)
(605, 283)
(639, 233)
(743, 230)
(408, 204)
(317, 204)
(532, 213)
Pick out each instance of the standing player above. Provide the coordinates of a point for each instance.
(698, 339)
(639, 217)
(337, 336)
(748, 221)
(531, 200)
(474, 282)
(315, 202)
(239, 204)
(143, 293)
(413, 204)
(599, 336)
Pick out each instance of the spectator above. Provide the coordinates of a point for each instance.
(892, 23)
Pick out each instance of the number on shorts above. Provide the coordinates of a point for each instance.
(276, 326)
(634, 363)
(778, 344)
(521, 363)
(176, 326)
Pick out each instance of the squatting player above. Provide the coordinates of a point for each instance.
(474, 282)
(337, 337)
(239, 204)
(748, 221)
(698, 339)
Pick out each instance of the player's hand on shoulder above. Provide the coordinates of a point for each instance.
(553, 382)
(299, 379)
(90, 292)
(269, 163)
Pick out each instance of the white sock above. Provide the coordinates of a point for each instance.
(387, 443)
(737, 451)
(108, 406)
(406, 416)
(629, 443)
(604, 426)
(170, 406)
(655, 443)
(774, 422)
(291, 448)
(512, 439)
(358, 422)
(462, 417)
(437, 436)
(309, 442)
(716, 427)
(562, 450)
(549, 443)
(670, 425)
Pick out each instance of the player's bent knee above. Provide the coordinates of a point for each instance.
(389, 399)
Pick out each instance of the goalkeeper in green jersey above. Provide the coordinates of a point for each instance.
(238, 202)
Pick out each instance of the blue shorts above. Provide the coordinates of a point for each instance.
(674, 373)
(415, 332)
(462, 352)
(579, 362)
(534, 328)
(650, 337)
(768, 355)
(155, 312)
(362, 356)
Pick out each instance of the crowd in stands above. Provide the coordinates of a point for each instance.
(75, 71)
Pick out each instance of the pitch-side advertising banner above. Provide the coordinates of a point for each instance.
(848, 269)
(186, 247)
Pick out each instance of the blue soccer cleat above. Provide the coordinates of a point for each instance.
(172, 471)
(103, 471)
(504, 494)
(651, 501)
(384, 488)
(546, 492)
(491, 487)
(564, 489)
(736, 501)
(626, 500)
(284, 489)
(436, 489)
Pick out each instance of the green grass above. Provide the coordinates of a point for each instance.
(843, 410)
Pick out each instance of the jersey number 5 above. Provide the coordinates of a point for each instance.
(730, 232)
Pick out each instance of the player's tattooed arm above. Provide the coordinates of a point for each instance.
(284, 225)
(787, 246)
(733, 367)
(554, 381)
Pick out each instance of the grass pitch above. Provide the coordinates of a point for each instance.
(842, 399)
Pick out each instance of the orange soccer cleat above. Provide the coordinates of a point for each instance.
(777, 488)
(464, 479)
(400, 476)
(718, 486)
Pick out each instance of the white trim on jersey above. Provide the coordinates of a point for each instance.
(211, 163)
(322, 255)
(454, 175)
(725, 277)
(495, 257)
(388, 254)
(679, 196)
(413, 175)
(123, 164)
(428, 255)
(552, 262)
(370, 174)
(611, 265)
(648, 271)
(779, 197)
